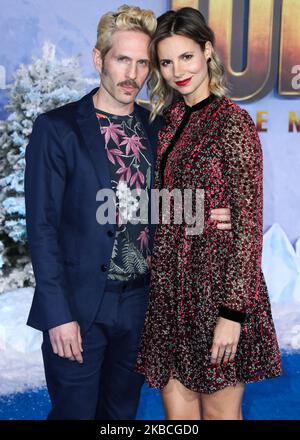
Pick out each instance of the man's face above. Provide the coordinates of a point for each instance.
(125, 67)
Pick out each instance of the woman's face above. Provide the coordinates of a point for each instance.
(183, 65)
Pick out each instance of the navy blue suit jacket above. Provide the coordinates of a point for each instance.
(66, 164)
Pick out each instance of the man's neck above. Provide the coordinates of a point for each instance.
(105, 102)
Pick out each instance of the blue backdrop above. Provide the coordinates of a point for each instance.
(71, 25)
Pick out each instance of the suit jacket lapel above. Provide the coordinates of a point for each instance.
(93, 139)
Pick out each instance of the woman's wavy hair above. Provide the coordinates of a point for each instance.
(126, 18)
(190, 23)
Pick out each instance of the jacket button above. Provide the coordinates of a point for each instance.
(110, 233)
(104, 268)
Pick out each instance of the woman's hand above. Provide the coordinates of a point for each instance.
(226, 338)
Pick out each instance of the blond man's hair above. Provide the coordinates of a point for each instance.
(126, 18)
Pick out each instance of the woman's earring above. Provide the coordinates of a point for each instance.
(208, 60)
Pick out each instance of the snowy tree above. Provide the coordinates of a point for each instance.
(45, 84)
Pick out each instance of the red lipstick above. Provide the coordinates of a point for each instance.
(184, 82)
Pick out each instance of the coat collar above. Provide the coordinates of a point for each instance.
(89, 127)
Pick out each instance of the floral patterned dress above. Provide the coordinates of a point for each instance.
(197, 278)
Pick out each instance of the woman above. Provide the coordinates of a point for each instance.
(209, 328)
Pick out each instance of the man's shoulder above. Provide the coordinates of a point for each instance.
(64, 112)
(67, 113)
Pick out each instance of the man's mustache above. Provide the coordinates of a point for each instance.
(129, 84)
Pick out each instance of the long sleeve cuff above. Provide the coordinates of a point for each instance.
(232, 315)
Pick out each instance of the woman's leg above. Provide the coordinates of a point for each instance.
(225, 404)
(180, 403)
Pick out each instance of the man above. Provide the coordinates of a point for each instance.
(92, 279)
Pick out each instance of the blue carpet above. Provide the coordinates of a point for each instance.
(275, 399)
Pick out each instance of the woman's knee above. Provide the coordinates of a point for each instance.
(180, 403)
(225, 404)
(221, 414)
(217, 410)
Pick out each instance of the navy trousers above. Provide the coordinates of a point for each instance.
(105, 386)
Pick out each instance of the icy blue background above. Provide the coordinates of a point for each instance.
(71, 25)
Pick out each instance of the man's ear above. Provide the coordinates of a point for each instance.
(97, 58)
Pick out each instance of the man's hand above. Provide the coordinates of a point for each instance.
(222, 215)
(66, 341)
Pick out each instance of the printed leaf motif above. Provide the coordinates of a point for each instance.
(125, 151)
(125, 257)
(115, 249)
(144, 238)
(120, 161)
(133, 143)
(111, 132)
(128, 174)
(138, 260)
(116, 152)
(133, 178)
(101, 116)
(133, 259)
(115, 269)
(122, 178)
(141, 176)
(110, 156)
(121, 170)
